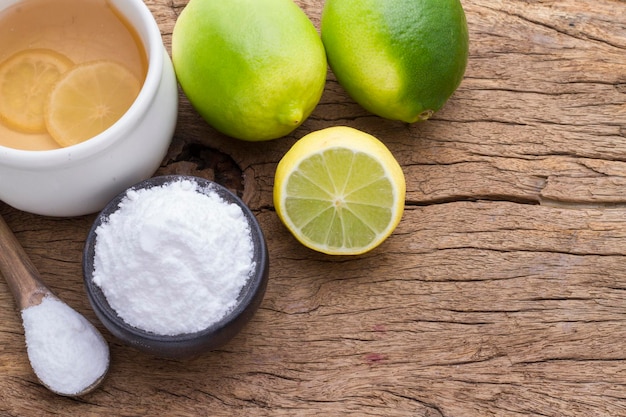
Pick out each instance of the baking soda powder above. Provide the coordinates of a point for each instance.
(173, 259)
(66, 352)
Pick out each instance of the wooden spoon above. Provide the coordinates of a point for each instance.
(26, 285)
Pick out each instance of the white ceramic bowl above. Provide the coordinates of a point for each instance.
(83, 178)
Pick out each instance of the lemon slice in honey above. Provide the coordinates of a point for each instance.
(26, 79)
(89, 99)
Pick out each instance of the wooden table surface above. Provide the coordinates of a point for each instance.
(501, 293)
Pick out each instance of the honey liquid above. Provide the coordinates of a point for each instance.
(82, 30)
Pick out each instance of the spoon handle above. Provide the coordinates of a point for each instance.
(19, 272)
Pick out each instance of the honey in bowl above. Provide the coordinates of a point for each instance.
(68, 70)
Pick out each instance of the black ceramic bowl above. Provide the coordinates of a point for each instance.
(192, 344)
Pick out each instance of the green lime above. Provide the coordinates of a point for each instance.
(399, 59)
(339, 191)
(253, 69)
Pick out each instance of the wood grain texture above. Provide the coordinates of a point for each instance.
(500, 294)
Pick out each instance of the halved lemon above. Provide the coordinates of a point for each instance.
(89, 99)
(26, 79)
(339, 191)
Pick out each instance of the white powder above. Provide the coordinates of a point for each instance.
(66, 352)
(171, 259)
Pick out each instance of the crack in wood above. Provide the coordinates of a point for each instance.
(201, 160)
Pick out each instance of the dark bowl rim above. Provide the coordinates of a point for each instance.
(248, 292)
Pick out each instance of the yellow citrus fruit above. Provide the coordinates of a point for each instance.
(339, 191)
(88, 99)
(253, 69)
(399, 59)
(25, 82)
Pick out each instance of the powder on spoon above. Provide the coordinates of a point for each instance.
(172, 259)
(65, 350)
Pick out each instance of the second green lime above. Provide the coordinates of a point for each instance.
(399, 59)
(253, 69)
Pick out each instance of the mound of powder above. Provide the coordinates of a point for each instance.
(66, 352)
(173, 259)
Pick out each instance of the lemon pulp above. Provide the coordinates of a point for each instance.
(339, 191)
